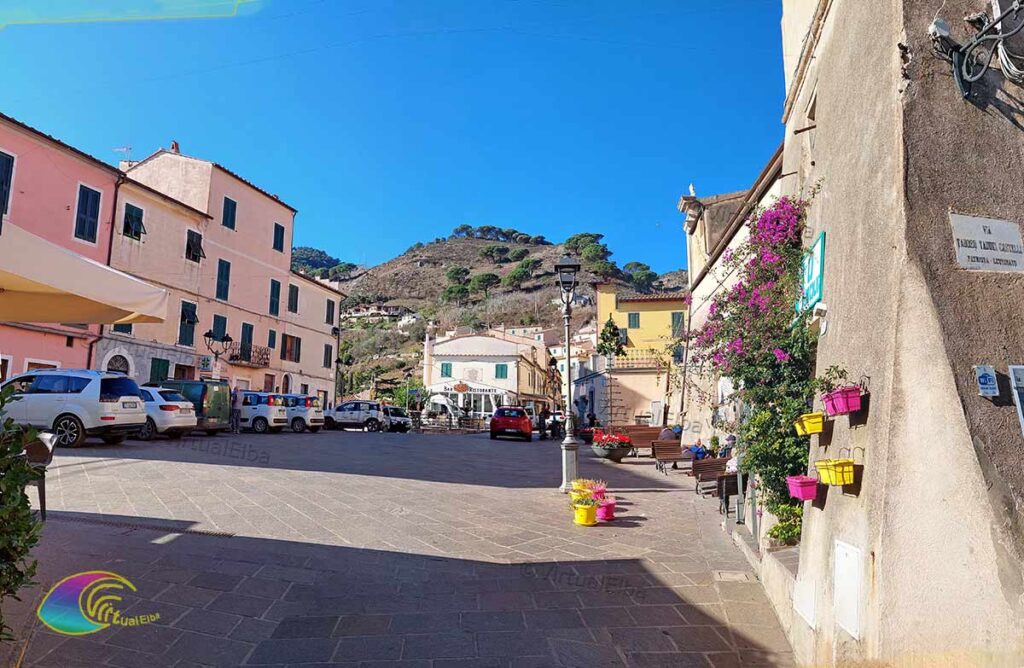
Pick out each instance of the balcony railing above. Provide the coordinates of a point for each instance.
(247, 354)
(639, 358)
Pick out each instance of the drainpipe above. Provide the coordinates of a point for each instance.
(121, 178)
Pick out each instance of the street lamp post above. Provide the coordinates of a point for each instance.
(408, 380)
(217, 345)
(566, 270)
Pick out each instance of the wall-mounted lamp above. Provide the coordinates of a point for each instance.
(971, 60)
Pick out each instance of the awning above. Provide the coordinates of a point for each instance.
(43, 282)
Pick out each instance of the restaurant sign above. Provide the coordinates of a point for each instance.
(812, 275)
(986, 244)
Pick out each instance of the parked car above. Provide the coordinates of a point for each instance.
(304, 412)
(263, 412)
(359, 414)
(76, 403)
(211, 400)
(396, 419)
(512, 421)
(558, 416)
(168, 412)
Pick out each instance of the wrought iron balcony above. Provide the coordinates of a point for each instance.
(247, 354)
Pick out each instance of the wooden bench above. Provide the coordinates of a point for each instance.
(669, 452)
(642, 437)
(706, 472)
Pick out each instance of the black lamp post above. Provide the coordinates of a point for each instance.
(217, 345)
(566, 269)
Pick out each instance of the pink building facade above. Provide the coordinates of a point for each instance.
(66, 197)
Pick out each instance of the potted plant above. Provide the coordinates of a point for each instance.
(585, 511)
(802, 487)
(611, 446)
(714, 446)
(810, 423)
(598, 488)
(606, 508)
(839, 396)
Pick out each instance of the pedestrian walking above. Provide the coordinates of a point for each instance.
(236, 410)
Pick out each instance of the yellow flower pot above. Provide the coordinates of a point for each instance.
(577, 494)
(579, 484)
(585, 515)
(810, 423)
(835, 471)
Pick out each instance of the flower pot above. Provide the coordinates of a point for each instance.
(585, 515)
(578, 485)
(842, 401)
(614, 453)
(802, 487)
(598, 492)
(579, 494)
(810, 423)
(835, 471)
(606, 511)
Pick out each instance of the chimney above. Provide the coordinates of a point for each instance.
(175, 148)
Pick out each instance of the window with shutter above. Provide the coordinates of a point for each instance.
(194, 246)
(293, 299)
(329, 316)
(187, 324)
(677, 323)
(634, 321)
(228, 219)
(328, 355)
(133, 227)
(446, 369)
(279, 237)
(6, 182)
(272, 339)
(220, 326)
(275, 297)
(223, 279)
(158, 370)
(88, 215)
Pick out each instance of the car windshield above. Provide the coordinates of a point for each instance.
(172, 395)
(510, 412)
(396, 412)
(115, 388)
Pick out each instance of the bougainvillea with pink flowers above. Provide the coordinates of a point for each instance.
(754, 335)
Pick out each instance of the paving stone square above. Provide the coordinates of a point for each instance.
(356, 549)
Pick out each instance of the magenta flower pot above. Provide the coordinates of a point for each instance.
(842, 401)
(598, 492)
(606, 512)
(802, 487)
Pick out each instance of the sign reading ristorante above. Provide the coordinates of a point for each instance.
(986, 244)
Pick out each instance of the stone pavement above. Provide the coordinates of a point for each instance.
(354, 549)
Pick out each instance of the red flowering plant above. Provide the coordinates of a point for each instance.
(609, 440)
(754, 335)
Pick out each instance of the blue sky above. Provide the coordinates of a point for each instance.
(387, 122)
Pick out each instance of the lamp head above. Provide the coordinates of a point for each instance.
(566, 269)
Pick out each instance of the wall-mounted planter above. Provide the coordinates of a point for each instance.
(802, 487)
(835, 471)
(842, 401)
(810, 423)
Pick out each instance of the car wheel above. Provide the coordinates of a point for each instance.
(148, 431)
(372, 425)
(260, 425)
(69, 430)
(314, 430)
(298, 425)
(114, 440)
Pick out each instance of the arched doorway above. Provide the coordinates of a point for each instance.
(286, 384)
(118, 363)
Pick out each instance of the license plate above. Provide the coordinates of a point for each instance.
(129, 404)
(511, 431)
(184, 411)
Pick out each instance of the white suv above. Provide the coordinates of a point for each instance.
(359, 415)
(304, 412)
(75, 403)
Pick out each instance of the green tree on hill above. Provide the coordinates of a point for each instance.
(456, 294)
(341, 271)
(640, 276)
(483, 283)
(495, 252)
(457, 275)
(307, 258)
(595, 252)
(577, 242)
(462, 230)
(518, 254)
(530, 265)
(515, 278)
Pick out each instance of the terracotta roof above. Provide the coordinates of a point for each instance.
(656, 297)
(68, 147)
(221, 168)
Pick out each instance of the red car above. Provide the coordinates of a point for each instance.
(511, 421)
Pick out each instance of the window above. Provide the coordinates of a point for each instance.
(501, 371)
(247, 332)
(123, 329)
(328, 355)
(223, 279)
(184, 372)
(303, 389)
(677, 323)
(133, 227)
(4, 368)
(228, 219)
(623, 335)
(88, 216)
(50, 385)
(220, 327)
(329, 316)
(634, 321)
(115, 388)
(194, 246)
(279, 237)
(187, 324)
(291, 348)
(272, 339)
(6, 182)
(446, 369)
(293, 299)
(275, 297)
(119, 363)
(158, 370)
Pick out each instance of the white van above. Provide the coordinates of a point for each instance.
(263, 412)
(304, 412)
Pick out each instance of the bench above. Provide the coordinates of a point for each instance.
(669, 452)
(706, 472)
(642, 436)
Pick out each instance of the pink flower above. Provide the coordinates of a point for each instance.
(781, 355)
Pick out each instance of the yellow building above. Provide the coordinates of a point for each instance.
(641, 381)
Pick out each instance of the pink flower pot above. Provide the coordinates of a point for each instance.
(606, 512)
(842, 401)
(802, 487)
(598, 492)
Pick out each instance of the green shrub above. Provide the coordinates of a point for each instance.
(787, 531)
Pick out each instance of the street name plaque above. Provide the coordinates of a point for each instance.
(986, 244)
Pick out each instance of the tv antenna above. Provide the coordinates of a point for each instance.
(126, 151)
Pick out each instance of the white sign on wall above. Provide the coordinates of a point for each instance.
(847, 572)
(988, 386)
(986, 244)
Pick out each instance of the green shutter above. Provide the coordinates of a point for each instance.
(229, 213)
(634, 321)
(446, 369)
(158, 370)
(223, 279)
(501, 371)
(275, 297)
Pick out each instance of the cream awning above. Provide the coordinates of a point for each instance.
(43, 282)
